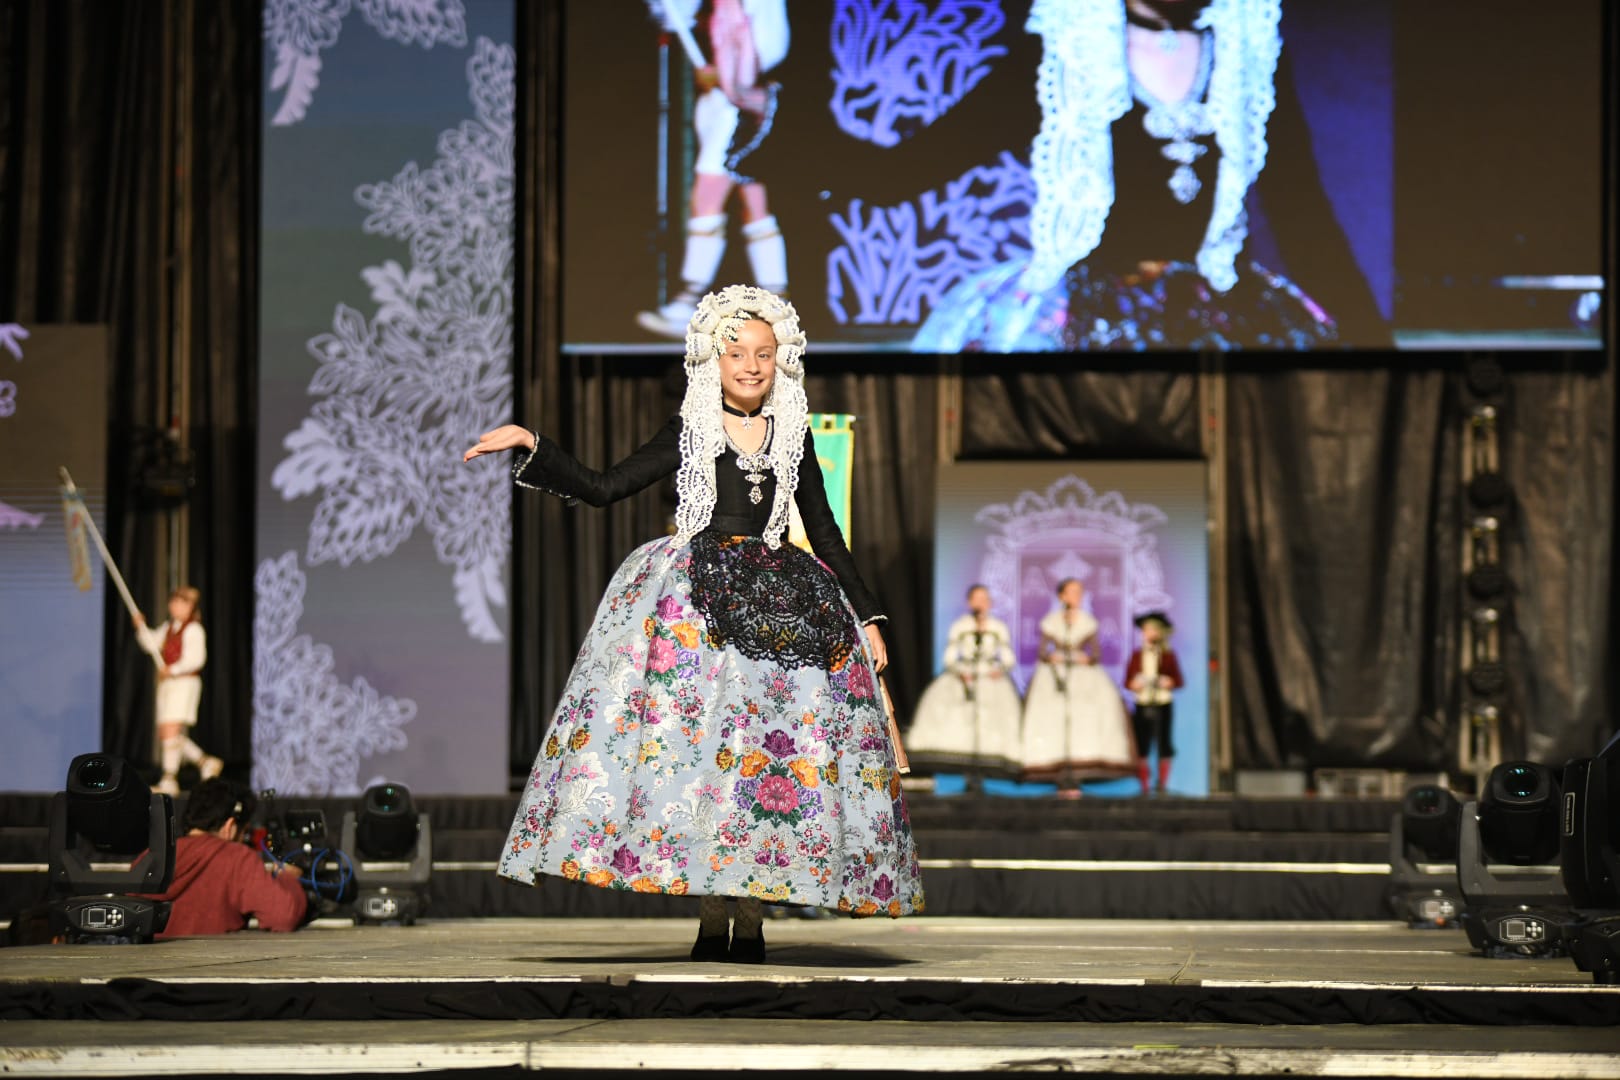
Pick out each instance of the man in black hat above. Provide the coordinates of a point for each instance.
(1152, 676)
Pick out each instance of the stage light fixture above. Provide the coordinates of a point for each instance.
(1487, 679)
(1518, 816)
(1422, 858)
(1591, 828)
(1515, 903)
(1591, 862)
(391, 846)
(110, 837)
(1487, 582)
(1484, 376)
(1487, 490)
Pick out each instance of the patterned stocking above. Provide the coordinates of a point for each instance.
(750, 918)
(712, 916)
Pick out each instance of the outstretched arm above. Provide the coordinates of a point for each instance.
(548, 467)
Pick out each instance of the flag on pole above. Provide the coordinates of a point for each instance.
(835, 452)
(76, 516)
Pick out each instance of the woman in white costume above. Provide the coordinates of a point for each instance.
(968, 718)
(181, 649)
(1075, 725)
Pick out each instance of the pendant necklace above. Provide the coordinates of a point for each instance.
(1180, 125)
(754, 466)
(747, 417)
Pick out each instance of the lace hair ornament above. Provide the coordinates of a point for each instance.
(1083, 86)
(716, 322)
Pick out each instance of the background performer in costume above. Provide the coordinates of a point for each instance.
(969, 717)
(1152, 676)
(1075, 726)
(181, 648)
(733, 116)
(722, 732)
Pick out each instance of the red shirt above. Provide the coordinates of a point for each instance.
(219, 883)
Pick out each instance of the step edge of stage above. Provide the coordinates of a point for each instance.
(580, 1049)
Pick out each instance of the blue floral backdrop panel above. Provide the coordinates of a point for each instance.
(381, 592)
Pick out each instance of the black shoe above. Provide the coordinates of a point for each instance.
(709, 950)
(747, 950)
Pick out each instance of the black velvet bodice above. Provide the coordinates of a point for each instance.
(552, 469)
(1146, 222)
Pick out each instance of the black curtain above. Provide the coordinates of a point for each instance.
(1343, 566)
(1345, 533)
(128, 196)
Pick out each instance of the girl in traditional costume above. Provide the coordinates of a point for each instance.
(180, 648)
(969, 717)
(722, 733)
(1075, 727)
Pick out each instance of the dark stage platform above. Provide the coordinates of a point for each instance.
(1221, 858)
(926, 994)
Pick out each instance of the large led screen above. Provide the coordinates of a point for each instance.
(380, 643)
(1019, 176)
(53, 413)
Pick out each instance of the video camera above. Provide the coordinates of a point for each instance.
(300, 837)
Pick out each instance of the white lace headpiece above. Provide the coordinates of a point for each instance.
(703, 435)
(1083, 86)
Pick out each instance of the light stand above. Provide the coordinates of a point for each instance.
(110, 837)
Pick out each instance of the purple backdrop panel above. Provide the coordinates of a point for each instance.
(1133, 532)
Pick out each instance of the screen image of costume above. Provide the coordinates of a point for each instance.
(969, 717)
(1074, 718)
(1155, 704)
(722, 731)
(1139, 227)
(728, 136)
(184, 648)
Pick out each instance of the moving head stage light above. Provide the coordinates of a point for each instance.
(1422, 858)
(392, 847)
(1591, 862)
(1514, 897)
(110, 837)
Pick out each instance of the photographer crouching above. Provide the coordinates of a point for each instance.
(220, 881)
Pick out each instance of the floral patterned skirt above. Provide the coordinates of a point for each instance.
(680, 761)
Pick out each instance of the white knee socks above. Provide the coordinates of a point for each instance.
(767, 253)
(705, 247)
(173, 750)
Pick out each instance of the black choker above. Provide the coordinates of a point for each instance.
(1183, 19)
(747, 417)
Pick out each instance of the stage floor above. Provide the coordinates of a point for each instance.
(940, 994)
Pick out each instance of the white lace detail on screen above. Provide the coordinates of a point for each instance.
(298, 31)
(1083, 86)
(703, 434)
